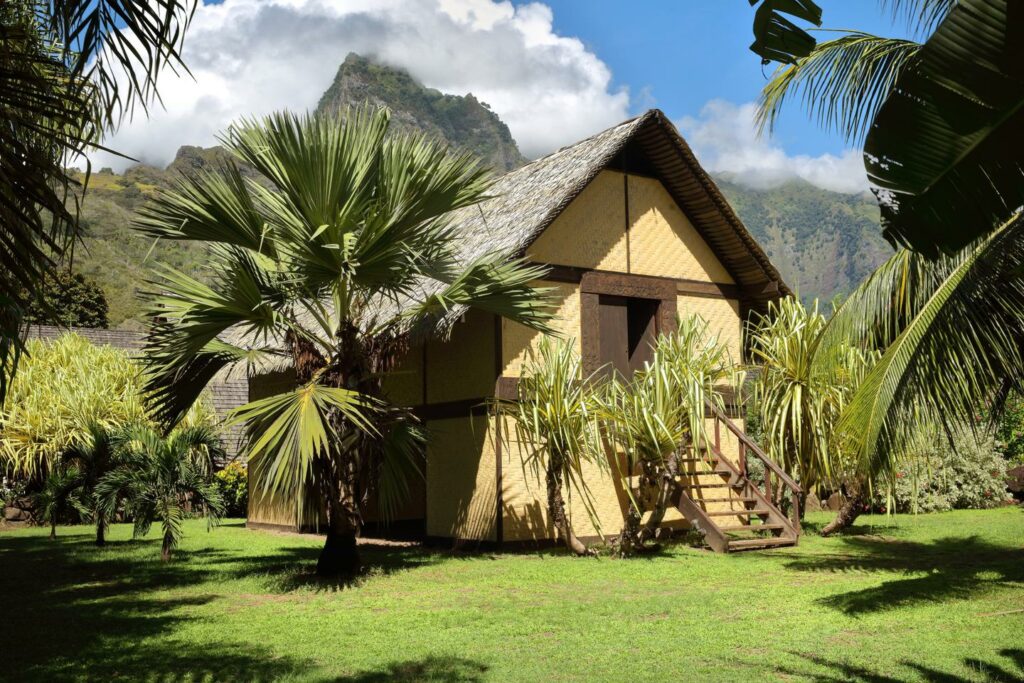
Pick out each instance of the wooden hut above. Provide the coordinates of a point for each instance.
(635, 233)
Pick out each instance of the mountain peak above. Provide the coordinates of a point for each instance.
(463, 121)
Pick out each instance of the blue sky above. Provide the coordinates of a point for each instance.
(555, 71)
(688, 52)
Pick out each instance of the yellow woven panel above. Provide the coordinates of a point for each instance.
(723, 317)
(404, 386)
(518, 340)
(591, 231)
(663, 241)
(461, 481)
(463, 366)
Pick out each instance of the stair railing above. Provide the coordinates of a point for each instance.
(748, 447)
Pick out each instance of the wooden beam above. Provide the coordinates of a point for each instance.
(717, 290)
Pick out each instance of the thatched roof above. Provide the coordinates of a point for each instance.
(526, 201)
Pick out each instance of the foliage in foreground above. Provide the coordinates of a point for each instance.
(67, 299)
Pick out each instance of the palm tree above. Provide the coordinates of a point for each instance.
(56, 498)
(331, 274)
(799, 401)
(162, 478)
(944, 149)
(91, 457)
(71, 70)
(653, 419)
(555, 429)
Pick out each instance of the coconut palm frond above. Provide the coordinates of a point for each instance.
(841, 83)
(958, 345)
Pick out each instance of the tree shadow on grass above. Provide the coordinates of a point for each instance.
(948, 568)
(74, 611)
(432, 669)
(840, 672)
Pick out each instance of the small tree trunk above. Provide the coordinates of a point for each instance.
(340, 554)
(101, 529)
(667, 477)
(53, 530)
(850, 510)
(629, 538)
(556, 508)
(165, 549)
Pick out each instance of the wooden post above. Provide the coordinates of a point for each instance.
(718, 436)
(743, 458)
(796, 510)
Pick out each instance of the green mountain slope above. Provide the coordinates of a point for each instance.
(823, 242)
(464, 122)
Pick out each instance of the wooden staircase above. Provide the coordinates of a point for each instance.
(714, 494)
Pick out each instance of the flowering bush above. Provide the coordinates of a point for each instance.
(969, 473)
(234, 489)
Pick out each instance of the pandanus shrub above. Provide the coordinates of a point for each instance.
(554, 429)
(658, 416)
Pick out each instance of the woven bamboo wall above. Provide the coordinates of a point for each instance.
(461, 479)
(462, 366)
(663, 241)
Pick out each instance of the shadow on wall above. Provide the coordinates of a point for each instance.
(947, 568)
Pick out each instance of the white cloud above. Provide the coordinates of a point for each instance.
(725, 140)
(251, 57)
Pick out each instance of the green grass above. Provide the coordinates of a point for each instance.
(903, 598)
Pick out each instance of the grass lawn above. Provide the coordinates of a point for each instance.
(936, 598)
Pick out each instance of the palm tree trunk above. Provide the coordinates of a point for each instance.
(556, 509)
(53, 530)
(165, 549)
(850, 510)
(340, 554)
(101, 527)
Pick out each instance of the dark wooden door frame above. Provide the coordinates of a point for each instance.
(593, 284)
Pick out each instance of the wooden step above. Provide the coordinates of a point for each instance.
(740, 499)
(754, 543)
(722, 485)
(752, 527)
(734, 513)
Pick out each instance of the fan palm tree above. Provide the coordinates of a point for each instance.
(162, 478)
(800, 402)
(329, 274)
(71, 69)
(554, 426)
(653, 419)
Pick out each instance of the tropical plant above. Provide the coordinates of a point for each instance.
(90, 458)
(944, 148)
(949, 329)
(331, 275)
(67, 299)
(163, 478)
(62, 388)
(555, 431)
(656, 417)
(57, 497)
(233, 482)
(72, 69)
(799, 402)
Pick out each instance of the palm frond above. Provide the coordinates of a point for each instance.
(841, 83)
(958, 346)
(945, 148)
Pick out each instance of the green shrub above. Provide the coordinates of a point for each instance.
(969, 473)
(234, 489)
(60, 387)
